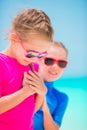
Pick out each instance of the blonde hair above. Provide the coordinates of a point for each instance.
(32, 21)
(60, 44)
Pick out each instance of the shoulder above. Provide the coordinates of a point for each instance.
(5, 61)
(62, 96)
(2, 58)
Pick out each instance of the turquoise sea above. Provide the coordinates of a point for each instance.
(75, 117)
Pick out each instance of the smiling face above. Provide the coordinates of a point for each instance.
(53, 72)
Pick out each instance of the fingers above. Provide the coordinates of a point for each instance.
(33, 79)
(33, 74)
(35, 82)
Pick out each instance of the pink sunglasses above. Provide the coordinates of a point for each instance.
(32, 53)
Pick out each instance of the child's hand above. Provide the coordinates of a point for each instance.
(34, 82)
(26, 85)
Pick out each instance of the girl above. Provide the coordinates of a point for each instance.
(55, 102)
(30, 38)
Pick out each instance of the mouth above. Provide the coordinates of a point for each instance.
(53, 74)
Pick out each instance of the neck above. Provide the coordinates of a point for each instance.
(7, 51)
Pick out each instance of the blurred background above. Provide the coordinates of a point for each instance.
(69, 20)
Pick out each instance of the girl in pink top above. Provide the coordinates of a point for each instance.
(21, 90)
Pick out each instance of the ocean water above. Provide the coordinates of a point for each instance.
(75, 117)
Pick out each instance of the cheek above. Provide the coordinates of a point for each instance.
(19, 54)
(60, 72)
(44, 72)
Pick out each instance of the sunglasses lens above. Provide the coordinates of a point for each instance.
(62, 64)
(35, 54)
(30, 55)
(42, 55)
(49, 61)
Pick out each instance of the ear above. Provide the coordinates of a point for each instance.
(14, 38)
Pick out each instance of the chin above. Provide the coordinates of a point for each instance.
(50, 80)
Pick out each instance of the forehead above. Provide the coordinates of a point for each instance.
(57, 52)
(37, 44)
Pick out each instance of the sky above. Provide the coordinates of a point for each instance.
(68, 19)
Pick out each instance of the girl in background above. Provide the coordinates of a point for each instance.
(50, 116)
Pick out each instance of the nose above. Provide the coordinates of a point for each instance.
(55, 65)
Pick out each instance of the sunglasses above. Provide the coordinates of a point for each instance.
(32, 53)
(51, 61)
